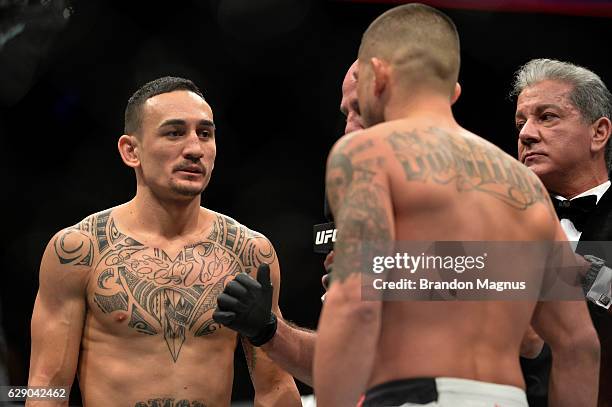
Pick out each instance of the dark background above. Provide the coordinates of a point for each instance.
(271, 70)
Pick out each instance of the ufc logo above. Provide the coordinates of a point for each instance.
(323, 236)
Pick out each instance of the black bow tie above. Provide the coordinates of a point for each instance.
(577, 210)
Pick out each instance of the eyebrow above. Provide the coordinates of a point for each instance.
(180, 122)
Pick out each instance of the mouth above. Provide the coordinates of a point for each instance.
(193, 170)
(531, 156)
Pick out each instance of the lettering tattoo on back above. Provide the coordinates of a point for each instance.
(163, 295)
(432, 155)
(472, 165)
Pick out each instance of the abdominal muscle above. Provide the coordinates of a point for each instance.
(137, 370)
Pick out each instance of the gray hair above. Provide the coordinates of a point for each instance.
(589, 94)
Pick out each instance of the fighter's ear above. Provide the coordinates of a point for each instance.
(602, 128)
(381, 71)
(129, 149)
(456, 93)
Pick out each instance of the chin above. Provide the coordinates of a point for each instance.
(546, 174)
(540, 170)
(187, 190)
(352, 128)
(190, 193)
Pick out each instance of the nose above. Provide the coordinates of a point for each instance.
(193, 148)
(529, 133)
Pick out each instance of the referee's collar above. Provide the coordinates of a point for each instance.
(598, 191)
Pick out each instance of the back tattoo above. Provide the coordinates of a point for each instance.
(471, 165)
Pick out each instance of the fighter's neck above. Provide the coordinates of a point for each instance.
(430, 106)
(164, 218)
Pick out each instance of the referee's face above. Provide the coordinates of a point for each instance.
(554, 140)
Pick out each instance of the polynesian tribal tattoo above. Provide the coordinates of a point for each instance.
(169, 403)
(472, 165)
(163, 295)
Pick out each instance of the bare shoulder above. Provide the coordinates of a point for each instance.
(358, 144)
(468, 163)
(357, 159)
(75, 245)
(249, 246)
(70, 257)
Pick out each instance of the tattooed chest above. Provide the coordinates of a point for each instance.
(152, 292)
(160, 294)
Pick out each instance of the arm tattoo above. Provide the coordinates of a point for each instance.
(171, 296)
(251, 247)
(339, 176)
(344, 169)
(470, 164)
(355, 197)
(78, 252)
(363, 229)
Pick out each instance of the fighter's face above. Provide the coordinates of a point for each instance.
(554, 139)
(177, 146)
(349, 106)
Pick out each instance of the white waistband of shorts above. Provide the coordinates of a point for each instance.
(466, 386)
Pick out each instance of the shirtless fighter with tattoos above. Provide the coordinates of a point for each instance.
(415, 174)
(126, 296)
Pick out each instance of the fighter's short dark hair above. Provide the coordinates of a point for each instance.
(419, 40)
(166, 84)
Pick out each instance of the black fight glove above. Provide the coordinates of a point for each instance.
(245, 305)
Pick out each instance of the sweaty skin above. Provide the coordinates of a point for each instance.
(414, 174)
(148, 333)
(388, 183)
(126, 296)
